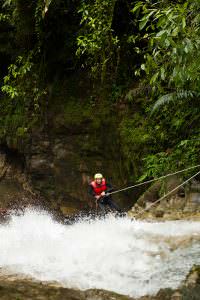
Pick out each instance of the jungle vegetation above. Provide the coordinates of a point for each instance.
(142, 55)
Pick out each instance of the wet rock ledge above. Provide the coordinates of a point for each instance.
(14, 288)
(182, 204)
(22, 289)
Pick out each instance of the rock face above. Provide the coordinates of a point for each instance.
(13, 288)
(15, 190)
(39, 291)
(188, 290)
(61, 163)
(193, 277)
(182, 203)
(58, 160)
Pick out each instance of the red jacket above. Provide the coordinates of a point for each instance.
(99, 188)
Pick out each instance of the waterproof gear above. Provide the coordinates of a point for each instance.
(99, 188)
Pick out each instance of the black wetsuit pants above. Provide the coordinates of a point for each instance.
(107, 200)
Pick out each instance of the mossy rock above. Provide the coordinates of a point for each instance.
(151, 195)
(193, 277)
(159, 213)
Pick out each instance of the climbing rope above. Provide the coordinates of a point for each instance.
(152, 180)
(163, 197)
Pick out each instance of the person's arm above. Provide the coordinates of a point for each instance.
(109, 189)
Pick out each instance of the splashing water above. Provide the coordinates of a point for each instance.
(129, 257)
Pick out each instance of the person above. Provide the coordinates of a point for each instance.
(100, 189)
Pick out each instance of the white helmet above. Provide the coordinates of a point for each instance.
(98, 176)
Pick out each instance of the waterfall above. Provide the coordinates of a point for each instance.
(129, 257)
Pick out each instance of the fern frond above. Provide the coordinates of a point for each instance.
(177, 96)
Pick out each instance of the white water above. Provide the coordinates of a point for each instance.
(129, 257)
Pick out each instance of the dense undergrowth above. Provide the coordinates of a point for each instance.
(137, 59)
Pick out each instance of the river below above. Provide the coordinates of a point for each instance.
(129, 257)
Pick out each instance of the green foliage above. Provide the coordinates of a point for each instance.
(41, 10)
(119, 43)
(96, 39)
(4, 17)
(16, 73)
(76, 113)
(185, 154)
(180, 95)
(21, 105)
(24, 95)
(172, 34)
(134, 137)
(7, 3)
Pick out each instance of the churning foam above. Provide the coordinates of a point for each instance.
(128, 257)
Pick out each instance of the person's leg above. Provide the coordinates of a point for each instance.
(102, 207)
(112, 205)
